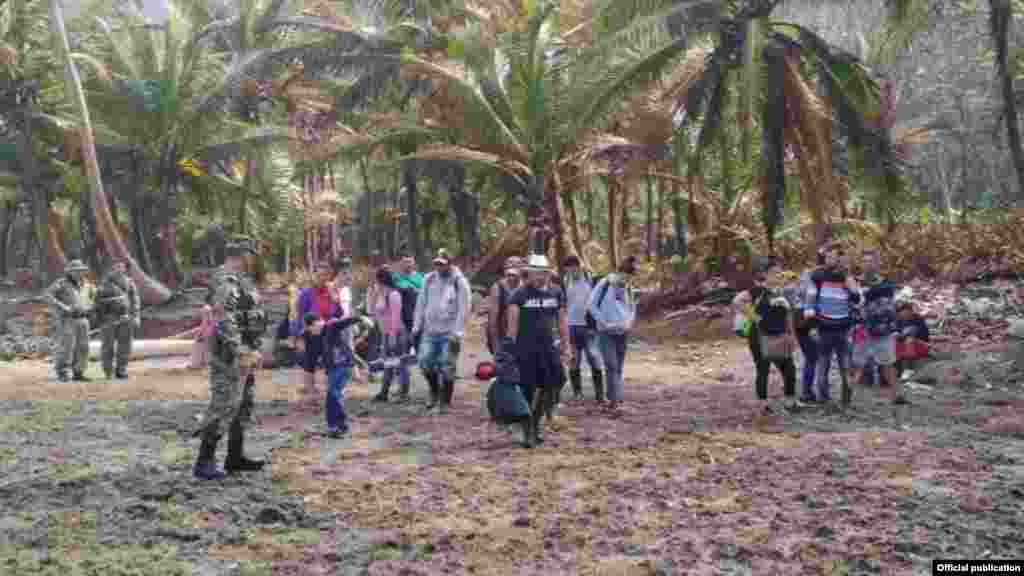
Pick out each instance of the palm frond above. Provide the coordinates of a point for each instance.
(99, 69)
(520, 172)
(251, 137)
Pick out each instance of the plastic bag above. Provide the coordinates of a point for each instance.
(741, 324)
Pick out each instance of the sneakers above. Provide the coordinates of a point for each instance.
(208, 471)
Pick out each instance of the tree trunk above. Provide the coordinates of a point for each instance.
(55, 257)
(9, 215)
(590, 208)
(678, 220)
(412, 217)
(574, 224)
(366, 243)
(307, 225)
(613, 240)
(473, 218)
(167, 236)
(660, 224)
(455, 180)
(91, 254)
(1002, 20)
(247, 181)
(335, 240)
(151, 291)
(650, 217)
(37, 192)
(553, 196)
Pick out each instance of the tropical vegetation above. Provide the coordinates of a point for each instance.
(688, 131)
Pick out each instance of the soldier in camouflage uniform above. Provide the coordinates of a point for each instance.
(234, 355)
(118, 306)
(66, 296)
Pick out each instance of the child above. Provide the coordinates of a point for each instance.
(339, 361)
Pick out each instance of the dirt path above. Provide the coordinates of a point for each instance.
(691, 480)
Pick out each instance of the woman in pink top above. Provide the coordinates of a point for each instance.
(385, 307)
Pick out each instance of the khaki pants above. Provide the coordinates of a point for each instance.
(73, 355)
(119, 337)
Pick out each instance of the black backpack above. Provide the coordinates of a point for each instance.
(409, 295)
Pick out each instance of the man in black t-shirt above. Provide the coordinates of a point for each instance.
(534, 313)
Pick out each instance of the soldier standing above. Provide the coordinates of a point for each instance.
(234, 355)
(119, 308)
(67, 297)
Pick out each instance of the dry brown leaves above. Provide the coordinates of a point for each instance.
(955, 252)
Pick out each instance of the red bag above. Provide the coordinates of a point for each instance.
(912, 349)
(485, 370)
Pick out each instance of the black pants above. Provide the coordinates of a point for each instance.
(314, 344)
(541, 380)
(763, 367)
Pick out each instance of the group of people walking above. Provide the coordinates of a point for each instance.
(828, 313)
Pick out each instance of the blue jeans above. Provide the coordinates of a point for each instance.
(337, 378)
(439, 354)
(809, 348)
(831, 341)
(613, 348)
(397, 346)
(584, 342)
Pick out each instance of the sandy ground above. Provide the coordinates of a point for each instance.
(692, 479)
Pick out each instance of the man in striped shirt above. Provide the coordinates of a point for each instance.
(830, 296)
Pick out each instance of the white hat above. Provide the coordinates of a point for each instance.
(537, 263)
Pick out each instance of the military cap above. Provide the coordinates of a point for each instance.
(342, 263)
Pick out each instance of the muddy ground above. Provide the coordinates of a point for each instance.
(95, 479)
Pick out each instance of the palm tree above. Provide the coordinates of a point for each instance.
(513, 95)
(30, 83)
(170, 92)
(819, 103)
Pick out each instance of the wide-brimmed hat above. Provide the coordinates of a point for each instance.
(538, 263)
(75, 265)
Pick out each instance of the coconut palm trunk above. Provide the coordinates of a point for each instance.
(1001, 20)
(151, 291)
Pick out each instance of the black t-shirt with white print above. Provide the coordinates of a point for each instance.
(538, 316)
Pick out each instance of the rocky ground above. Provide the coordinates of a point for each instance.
(94, 478)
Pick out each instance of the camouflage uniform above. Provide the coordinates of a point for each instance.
(67, 297)
(234, 351)
(118, 304)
